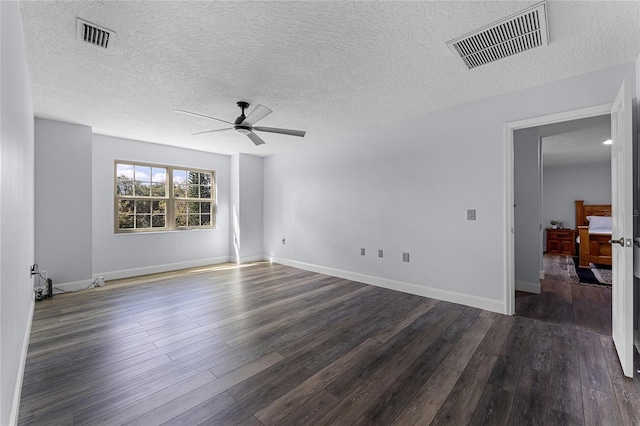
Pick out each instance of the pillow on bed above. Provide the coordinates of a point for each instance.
(600, 223)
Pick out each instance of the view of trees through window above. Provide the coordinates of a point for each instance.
(153, 197)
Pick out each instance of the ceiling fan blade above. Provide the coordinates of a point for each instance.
(211, 131)
(255, 139)
(258, 113)
(201, 116)
(289, 132)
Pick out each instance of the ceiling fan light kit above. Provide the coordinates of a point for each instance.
(244, 125)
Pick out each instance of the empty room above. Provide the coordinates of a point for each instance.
(334, 213)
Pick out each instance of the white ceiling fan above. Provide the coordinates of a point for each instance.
(246, 125)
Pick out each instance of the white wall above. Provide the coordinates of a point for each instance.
(246, 208)
(565, 184)
(234, 207)
(407, 186)
(63, 200)
(636, 310)
(16, 209)
(527, 211)
(120, 255)
(251, 207)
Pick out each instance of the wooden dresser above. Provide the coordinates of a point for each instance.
(561, 241)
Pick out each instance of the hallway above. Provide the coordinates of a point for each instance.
(581, 314)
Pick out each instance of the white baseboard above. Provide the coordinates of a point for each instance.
(146, 270)
(249, 259)
(71, 286)
(13, 417)
(155, 269)
(435, 293)
(528, 287)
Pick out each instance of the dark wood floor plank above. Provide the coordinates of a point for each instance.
(394, 400)
(594, 371)
(380, 379)
(582, 312)
(45, 398)
(449, 353)
(194, 407)
(423, 408)
(264, 344)
(511, 360)
(461, 402)
(531, 400)
(407, 319)
(600, 408)
(467, 345)
(625, 389)
(493, 408)
(312, 410)
(119, 415)
(497, 335)
(120, 393)
(563, 302)
(280, 408)
(159, 415)
(566, 388)
(350, 380)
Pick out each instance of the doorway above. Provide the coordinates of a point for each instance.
(573, 164)
(622, 188)
(535, 226)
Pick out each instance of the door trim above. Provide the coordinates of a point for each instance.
(509, 128)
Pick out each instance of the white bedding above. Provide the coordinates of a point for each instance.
(600, 224)
(595, 232)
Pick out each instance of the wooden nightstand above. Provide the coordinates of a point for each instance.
(561, 241)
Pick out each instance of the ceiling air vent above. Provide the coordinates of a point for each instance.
(523, 31)
(94, 34)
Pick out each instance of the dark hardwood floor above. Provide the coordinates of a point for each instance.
(265, 344)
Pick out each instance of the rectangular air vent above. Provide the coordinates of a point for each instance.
(523, 31)
(94, 34)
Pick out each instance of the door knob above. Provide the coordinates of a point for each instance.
(620, 241)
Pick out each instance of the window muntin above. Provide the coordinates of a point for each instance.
(151, 197)
(192, 193)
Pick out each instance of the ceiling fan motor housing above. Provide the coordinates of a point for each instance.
(243, 106)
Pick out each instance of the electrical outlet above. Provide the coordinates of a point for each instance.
(34, 269)
(283, 240)
(361, 252)
(379, 253)
(405, 257)
(471, 214)
(100, 282)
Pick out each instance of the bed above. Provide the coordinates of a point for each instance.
(593, 227)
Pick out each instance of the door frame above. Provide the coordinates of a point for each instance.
(509, 129)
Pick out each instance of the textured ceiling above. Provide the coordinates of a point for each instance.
(577, 142)
(330, 68)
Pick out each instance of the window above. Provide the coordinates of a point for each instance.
(150, 197)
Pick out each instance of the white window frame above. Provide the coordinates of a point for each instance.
(170, 199)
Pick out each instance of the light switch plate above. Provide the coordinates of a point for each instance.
(379, 253)
(361, 252)
(471, 214)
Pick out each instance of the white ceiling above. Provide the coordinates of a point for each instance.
(576, 142)
(330, 68)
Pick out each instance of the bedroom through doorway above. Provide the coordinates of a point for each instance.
(574, 166)
(525, 248)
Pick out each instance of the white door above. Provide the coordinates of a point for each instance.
(622, 212)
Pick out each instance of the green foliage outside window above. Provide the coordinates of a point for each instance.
(143, 198)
